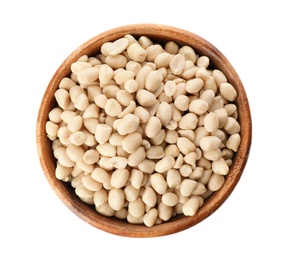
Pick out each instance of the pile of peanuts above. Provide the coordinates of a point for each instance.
(144, 131)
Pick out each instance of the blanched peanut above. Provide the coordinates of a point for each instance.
(136, 208)
(158, 183)
(100, 175)
(145, 98)
(55, 115)
(164, 211)
(105, 210)
(83, 192)
(120, 152)
(136, 178)
(117, 61)
(219, 77)
(185, 145)
(177, 64)
(105, 74)
(202, 73)
(170, 88)
(78, 66)
(102, 133)
(132, 142)
(66, 83)
(116, 198)
(147, 166)
(100, 197)
(118, 162)
(75, 153)
(203, 61)
(131, 193)
(155, 152)
(131, 85)
(220, 167)
(100, 100)
(62, 98)
(136, 52)
(153, 51)
(88, 75)
(170, 199)
(194, 85)
(165, 164)
(190, 158)
(87, 168)
(200, 189)
(121, 214)
(230, 108)
(233, 142)
(163, 59)
(222, 116)
(185, 170)
(128, 124)
(145, 42)
(91, 111)
(153, 80)
(207, 95)
(142, 114)
(188, 121)
(171, 47)
(62, 172)
(119, 178)
(117, 46)
(133, 66)
(212, 155)
(209, 143)
(153, 127)
(122, 76)
(232, 126)
(133, 220)
(149, 197)
(190, 207)
(115, 139)
(210, 122)
(150, 217)
(164, 113)
(216, 181)
(81, 102)
(198, 106)
(128, 110)
(189, 53)
(51, 128)
(173, 178)
(182, 102)
(124, 97)
(228, 91)
(112, 107)
(171, 150)
(136, 157)
(187, 187)
(91, 156)
(106, 149)
(171, 136)
(90, 184)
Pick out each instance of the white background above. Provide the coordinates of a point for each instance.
(256, 222)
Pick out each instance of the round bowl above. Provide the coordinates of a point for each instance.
(160, 34)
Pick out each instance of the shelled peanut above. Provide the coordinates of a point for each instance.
(144, 131)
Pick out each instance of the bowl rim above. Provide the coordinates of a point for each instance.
(116, 226)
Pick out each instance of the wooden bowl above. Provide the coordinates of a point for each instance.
(161, 34)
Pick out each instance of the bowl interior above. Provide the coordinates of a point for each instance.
(160, 34)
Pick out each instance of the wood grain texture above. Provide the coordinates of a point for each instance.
(159, 33)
